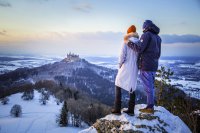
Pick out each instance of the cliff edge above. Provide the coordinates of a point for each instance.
(161, 121)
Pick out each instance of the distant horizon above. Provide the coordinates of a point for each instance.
(82, 56)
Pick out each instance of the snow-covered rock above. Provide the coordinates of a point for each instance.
(161, 121)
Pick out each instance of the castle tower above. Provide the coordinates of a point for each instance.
(72, 57)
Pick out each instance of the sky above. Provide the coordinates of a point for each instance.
(95, 27)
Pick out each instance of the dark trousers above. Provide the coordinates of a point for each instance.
(118, 94)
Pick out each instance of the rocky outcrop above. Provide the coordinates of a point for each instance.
(161, 121)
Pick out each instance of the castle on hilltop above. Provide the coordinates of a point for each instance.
(72, 57)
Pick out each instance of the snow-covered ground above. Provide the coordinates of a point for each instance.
(191, 88)
(161, 118)
(36, 118)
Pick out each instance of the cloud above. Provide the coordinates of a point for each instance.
(4, 3)
(180, 38)
(93, 43)
(84, 7)
(40, 1)
(88, 37)
(3, 33)
(85, 43)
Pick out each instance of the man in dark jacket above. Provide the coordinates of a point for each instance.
(149, 49)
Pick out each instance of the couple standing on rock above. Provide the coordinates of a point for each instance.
(138, 54)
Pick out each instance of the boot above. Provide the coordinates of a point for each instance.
(131, 105)
(149, 109)
(117, 105)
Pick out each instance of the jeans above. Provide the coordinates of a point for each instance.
(148, 78)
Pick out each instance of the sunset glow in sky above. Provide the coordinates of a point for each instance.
(95, 27)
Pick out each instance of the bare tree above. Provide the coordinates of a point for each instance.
(75, 109)
(44, 97)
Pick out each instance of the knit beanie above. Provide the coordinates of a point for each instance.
(132, 28)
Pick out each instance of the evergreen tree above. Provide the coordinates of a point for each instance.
(63, 118)
(164, 77)
(76, 95)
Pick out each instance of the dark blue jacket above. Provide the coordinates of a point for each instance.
(149, 47)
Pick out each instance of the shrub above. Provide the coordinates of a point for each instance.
(4, 100)
(16, 111)
(28, 95)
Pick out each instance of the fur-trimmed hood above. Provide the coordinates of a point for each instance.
(129, 35)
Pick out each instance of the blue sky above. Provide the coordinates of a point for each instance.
(95, 27)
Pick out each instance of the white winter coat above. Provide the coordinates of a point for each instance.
(128, 72)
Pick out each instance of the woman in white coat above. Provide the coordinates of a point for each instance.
(127, 73)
